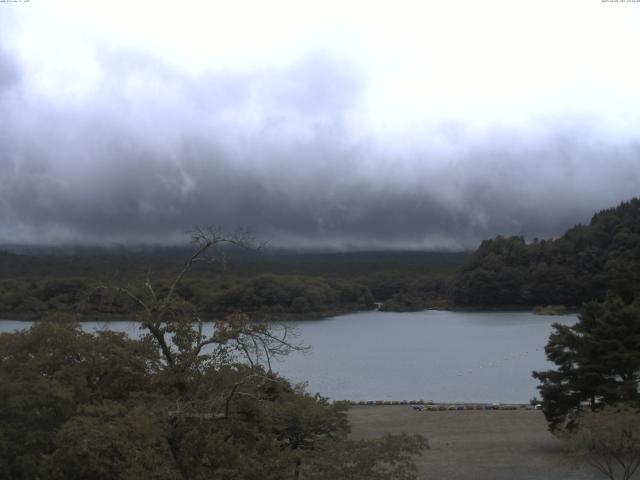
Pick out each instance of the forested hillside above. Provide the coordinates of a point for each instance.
(263, 284)
(584, 264)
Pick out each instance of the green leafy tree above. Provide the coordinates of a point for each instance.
(48, 372)
(581, 266)
(597, 359)
(177, 404)
(126, 440)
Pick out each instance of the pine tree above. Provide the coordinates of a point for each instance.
(598, 362)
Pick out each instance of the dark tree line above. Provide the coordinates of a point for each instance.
(583, 265)
(291, 286)
(275, 294)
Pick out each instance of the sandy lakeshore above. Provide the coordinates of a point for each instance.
(476, 445)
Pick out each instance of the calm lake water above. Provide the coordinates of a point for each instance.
(432, 355)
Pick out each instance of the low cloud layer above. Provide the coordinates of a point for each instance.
(134, 150)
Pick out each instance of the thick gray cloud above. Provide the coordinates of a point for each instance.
(150, 151)
(9, 73)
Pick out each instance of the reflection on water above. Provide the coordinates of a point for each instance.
(432, 355)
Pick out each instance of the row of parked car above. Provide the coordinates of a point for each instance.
(466, 406)
(390, 402)
(421, 405)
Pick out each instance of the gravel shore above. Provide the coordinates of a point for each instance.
(476, 445)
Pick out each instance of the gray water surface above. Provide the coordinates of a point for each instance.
(431, 355)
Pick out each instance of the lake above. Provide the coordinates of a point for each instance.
(432, 355)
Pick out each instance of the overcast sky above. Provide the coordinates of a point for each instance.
(372, 125)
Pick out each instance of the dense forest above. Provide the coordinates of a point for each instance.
(263, 284)
(582, 265)
(585, 264)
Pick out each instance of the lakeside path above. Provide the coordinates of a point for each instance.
(476, 444)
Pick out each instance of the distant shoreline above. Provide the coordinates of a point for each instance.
(289, 316)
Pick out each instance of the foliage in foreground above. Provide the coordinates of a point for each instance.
(180, 403)
(77, 405)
